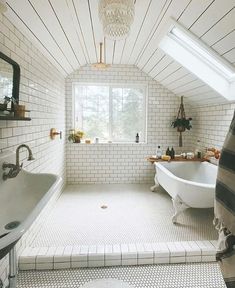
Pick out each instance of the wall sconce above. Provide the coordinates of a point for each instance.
(54, 133)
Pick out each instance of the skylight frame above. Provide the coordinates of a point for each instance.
(183, 46)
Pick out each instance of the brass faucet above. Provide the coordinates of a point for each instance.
(15, 168)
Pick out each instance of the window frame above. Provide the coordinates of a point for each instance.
(111, 85)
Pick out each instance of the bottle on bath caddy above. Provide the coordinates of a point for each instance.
(172, 153)
(168, 152)
(159, 152)
(198, 152)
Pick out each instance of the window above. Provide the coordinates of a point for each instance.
(202, 53)
(200, 59)
(110, 112)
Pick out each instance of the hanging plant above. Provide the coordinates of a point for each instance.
(181, 122)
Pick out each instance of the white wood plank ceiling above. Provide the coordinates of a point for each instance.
(68, 33)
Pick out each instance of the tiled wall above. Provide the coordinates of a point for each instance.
(122, 163)
(42, 91)
(211, 125)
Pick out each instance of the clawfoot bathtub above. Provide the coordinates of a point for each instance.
(190, 184)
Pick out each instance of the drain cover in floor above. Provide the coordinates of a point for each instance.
(107, 283)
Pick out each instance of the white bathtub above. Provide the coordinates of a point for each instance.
(190, 184)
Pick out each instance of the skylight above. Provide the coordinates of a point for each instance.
(200, 59)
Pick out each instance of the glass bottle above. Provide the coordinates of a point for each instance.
(159, 152)
(172, 153)
(137, 138)
(168, 151)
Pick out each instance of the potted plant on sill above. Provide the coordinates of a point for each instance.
(75, 136)
(181, 122)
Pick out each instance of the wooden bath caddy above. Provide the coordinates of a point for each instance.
(154, 159)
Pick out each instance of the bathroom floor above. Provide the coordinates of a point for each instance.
(110, 214)
(153, 276)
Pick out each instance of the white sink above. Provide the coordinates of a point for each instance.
(21, 200)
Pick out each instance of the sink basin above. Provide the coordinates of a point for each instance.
(21, 200)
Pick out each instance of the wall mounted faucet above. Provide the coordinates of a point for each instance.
(15, 168)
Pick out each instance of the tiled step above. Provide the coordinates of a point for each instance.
(49, 258)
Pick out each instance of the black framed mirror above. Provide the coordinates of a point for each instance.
(9, 79)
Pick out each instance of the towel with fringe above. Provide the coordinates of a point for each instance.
(225, 208)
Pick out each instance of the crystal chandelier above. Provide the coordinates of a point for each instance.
(116, 17)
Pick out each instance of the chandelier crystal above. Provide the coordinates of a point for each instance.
(116, 17)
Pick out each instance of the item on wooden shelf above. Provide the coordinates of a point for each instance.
(172, 154)
(159, 152)
(183, 155)
(168, 151)
(3, 106)
(88, 141)
(166, 157)
(198, 152)
(8, 104)
(189, 155)
(19, 110)
(212, 152)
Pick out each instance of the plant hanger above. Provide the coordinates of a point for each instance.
(181, 115)
(181, 122)
(181, 112)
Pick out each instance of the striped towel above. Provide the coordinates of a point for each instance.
(225, 208)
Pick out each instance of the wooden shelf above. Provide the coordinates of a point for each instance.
(12, 118)
(153, 159)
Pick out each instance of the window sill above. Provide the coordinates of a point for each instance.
(112, 143)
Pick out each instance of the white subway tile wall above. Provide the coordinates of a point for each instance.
(122, 163)
(211, 125)
(42, 90)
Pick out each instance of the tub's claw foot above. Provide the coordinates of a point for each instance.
(154, 187)
(179, 207)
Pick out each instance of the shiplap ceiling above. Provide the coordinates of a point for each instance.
(68, 32)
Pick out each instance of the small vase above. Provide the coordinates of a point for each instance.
(77, 140)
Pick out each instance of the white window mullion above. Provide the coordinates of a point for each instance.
(110, 114)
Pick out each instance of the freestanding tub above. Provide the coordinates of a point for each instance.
(190, 184)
